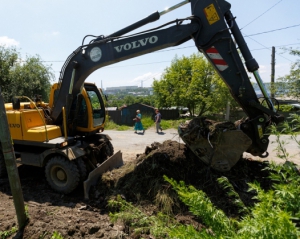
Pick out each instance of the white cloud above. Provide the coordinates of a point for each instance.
(263, 68)
(281, 69)
(142, 77)
(8, 42)
(147, 76)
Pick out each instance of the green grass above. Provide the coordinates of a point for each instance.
(56, 235)
(7, 234)
(171, 124)
(113, 126)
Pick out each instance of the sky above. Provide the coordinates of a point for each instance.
(53, 29)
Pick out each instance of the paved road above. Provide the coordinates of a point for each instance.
(132, 144)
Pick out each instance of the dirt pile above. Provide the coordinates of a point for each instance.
(142, 179)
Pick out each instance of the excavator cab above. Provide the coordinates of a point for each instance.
(90, 111)
(87, 111)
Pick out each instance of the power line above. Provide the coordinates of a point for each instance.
(279, 29)
(179, 48)
(269, 49)
(276, 46)
(261, 14)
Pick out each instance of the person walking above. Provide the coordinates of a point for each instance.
(157, 120)
(138, 122)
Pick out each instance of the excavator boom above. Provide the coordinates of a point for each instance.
(216, 34)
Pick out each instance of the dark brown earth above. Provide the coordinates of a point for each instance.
(138, 181)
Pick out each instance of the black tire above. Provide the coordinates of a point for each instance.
(3, 171)
(82, 169)
(62, 174)
(109, 148)
(106, 151)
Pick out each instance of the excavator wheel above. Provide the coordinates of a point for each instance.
(109, 149)
(106, 152)
(62, 175)
(3, 171)
(81, 168)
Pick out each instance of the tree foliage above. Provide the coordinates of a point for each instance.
(192, 82)
(119, 100)
(291, 82)
(27, 77)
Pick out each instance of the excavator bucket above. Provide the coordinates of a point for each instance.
(218, 144)
(115, 161)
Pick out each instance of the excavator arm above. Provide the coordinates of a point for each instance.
(216, 34)
(109, 50)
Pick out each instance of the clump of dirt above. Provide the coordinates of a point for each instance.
(142, 179)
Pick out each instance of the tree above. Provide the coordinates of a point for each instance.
(192, 82)
(126, 99)
(29, 77)
(8, 59)
(292, 80)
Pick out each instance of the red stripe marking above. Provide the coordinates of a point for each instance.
(219, 62)
(212, 50)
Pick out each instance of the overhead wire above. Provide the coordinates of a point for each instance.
(261, 14)
(278, 29)
(276, 46)
(270, 49)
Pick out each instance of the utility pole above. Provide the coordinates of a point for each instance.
(273, 73)
(11, 166)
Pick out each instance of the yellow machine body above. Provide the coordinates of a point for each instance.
(28, 124)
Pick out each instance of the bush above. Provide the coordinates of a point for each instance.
(285, 108)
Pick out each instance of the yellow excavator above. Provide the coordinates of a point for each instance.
(66, 135)
(71, 151)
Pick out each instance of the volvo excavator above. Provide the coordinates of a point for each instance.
(66, 135)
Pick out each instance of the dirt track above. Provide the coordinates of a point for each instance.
(131, 144)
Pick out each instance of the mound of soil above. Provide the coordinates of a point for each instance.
(140, 182)
(142, 179)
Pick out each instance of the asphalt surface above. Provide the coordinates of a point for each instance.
(131, 144)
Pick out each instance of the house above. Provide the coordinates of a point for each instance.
(129, 112)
